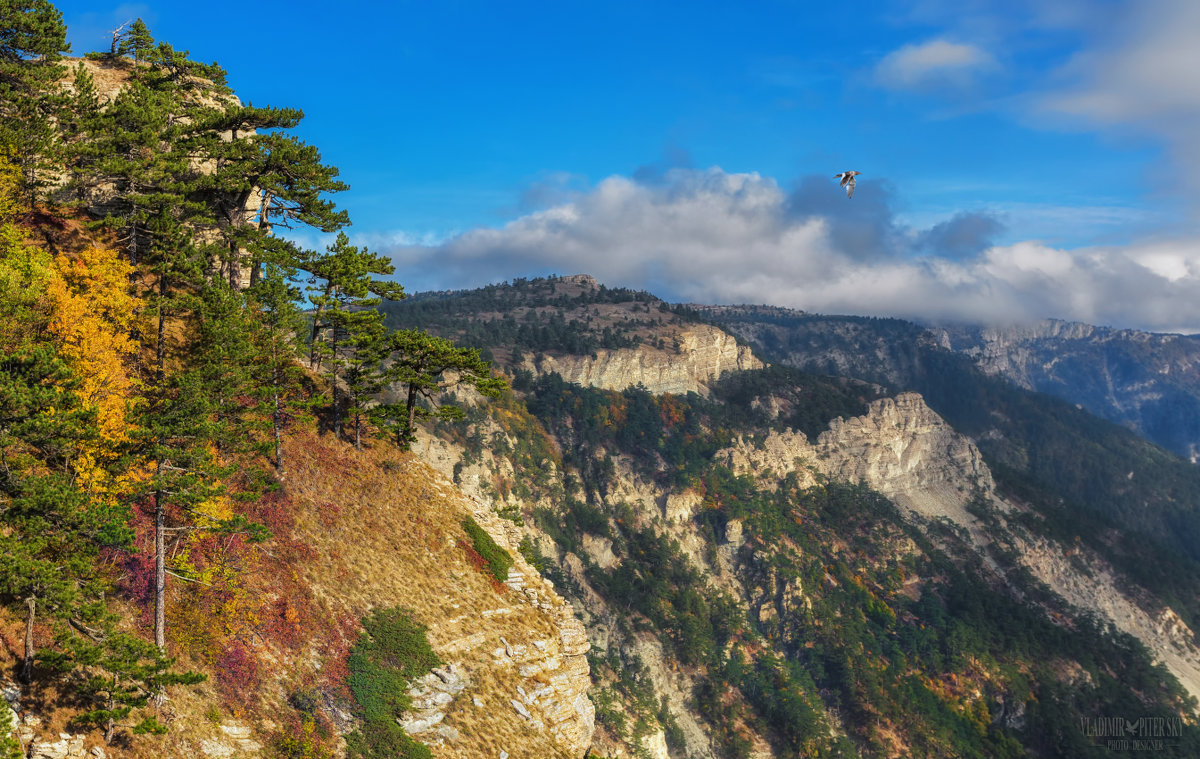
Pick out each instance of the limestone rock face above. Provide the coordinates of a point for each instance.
(66, 747)
(681, 507)
(900, 447)
(1166, 635)
(599, 550)
(552, 672)
(903, 449)
(430, 696)
(234, 739)
(704, 354)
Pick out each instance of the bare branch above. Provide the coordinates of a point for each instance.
(188, 579)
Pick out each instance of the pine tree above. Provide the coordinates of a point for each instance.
(53, 533)
(137, 42)
(262, 180)
(425, 366)
(366, 349)
(279, 324)
(343, 277)
(125, 673)
(345, 300)
(81, 111)
(32, 41)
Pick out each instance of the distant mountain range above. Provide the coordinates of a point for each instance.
(1147, 382)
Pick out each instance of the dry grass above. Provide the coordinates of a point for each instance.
(384, 529)
(369, 529)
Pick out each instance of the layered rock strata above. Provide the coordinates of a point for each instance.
(702, 355)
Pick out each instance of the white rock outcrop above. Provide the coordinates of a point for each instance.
(900, 447)
(704, 354)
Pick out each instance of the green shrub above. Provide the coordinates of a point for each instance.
(9, 748)
(497, 558)
(302, 741)
(391, 651)
(384, 739)
(532, 554)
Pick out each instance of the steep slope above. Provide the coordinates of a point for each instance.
(905, 451)
(695, 595)
(1064, 451)
(356, 531)
(393, 540)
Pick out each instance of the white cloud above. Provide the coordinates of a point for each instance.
(934, 63)
(715, 237)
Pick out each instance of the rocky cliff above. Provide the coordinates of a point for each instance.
(900, 448)
(374, 529)
(700, 355)
(516, 656)
(652, 545)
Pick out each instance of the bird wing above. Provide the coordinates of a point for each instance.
(849, 188)
(846, 178)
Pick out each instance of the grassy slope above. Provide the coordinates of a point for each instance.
(353, 530)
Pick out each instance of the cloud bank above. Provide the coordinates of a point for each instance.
(715, 237)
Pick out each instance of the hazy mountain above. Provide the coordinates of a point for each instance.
(1147, 382)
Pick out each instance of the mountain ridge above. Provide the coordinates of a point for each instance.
(609, 497)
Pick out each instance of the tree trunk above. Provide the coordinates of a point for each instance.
(316, 330)
(27, 665)
(131, 244)
(337, 399)
(235, 267)
(264, 225)
(160, 573)
(277, 420)
(160, 541)
(110, 725)
(160, 351)
(411, 407)
(357, 429)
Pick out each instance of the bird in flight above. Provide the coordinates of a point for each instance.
(847, 178)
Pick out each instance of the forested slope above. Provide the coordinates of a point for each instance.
(214, 541)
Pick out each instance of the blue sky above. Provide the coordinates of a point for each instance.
(1020, 160)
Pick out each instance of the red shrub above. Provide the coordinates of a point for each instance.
(483, 566)
(238, 677)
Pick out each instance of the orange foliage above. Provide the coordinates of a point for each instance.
(94, 310)
(672, 410)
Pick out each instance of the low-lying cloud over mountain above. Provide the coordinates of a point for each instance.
(712, 236)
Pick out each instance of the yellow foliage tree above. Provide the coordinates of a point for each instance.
(81, 305)
(94, 310)
(25, 272)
